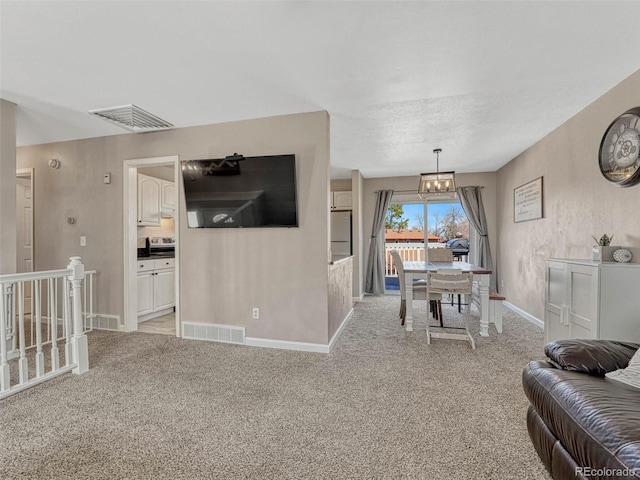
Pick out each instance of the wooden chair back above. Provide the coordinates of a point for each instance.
(439, 255)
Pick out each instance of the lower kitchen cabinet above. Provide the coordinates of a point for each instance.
(586, 299)
(156, 287)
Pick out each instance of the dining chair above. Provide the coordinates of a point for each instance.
(444, 255)
(451, 281)
(439, 255)
(419, 292)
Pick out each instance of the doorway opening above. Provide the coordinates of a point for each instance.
(412, 225)
(24, 228)
(151, 284)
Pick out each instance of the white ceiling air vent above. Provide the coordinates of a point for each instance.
(132, 118)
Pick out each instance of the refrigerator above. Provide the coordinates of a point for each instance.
(341, 233)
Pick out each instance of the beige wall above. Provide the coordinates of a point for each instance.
(578, 201)
(7, 187)
(371, 185)
(224, 273)
(341, 185)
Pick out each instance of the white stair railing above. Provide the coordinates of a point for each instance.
(43, 311)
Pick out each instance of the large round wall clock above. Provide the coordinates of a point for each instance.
(620, 150)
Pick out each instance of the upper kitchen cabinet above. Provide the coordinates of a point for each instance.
(341, 201)
(149, 193)
(156, 200)
(167, 199)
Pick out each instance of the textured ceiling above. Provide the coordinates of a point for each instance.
(481, 80)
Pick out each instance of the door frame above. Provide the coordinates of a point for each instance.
(130, 235)
(23, 173)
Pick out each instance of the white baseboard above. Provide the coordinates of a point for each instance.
(287, 345)
(198, 331)
(536, 321)
(359, 299)
(340, 329)
(159, 313)
(300, 346)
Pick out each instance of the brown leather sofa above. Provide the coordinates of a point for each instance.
(582, 424)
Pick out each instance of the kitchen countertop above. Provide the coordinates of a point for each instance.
(153, 257)
(336, 259)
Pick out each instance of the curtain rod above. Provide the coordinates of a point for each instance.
(411, 191)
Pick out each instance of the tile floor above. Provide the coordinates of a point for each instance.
(164, 325)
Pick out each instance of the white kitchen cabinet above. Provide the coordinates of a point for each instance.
(149, 193)
(341, 200)
(145, 293)
(586, 299)
(156, 287)
(167, 199)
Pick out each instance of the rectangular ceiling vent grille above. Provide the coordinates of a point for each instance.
(132, 118)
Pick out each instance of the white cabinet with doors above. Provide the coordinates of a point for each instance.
(341, 200)
(156, 200)
(156, 287)
(586, 299)
(149, 192)
(167, 199)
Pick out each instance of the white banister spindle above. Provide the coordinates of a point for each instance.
(31, 315)
(11, 323)
(23, 364)
(5, 377)
(80, 343)
(39, 354)
(66, 321)
(53, 325)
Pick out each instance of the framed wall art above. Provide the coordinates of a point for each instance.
(527, 201)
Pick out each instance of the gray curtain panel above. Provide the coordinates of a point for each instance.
(374, 281)
(471, 199)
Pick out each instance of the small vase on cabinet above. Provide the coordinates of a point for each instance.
(603, 253)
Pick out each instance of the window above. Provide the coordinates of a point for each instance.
(405, 231)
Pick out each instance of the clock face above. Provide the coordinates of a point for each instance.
(620, 150)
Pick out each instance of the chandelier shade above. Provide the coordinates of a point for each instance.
(437, 183)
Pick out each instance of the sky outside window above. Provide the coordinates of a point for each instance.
(411, 210)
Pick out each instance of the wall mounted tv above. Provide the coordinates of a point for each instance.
(241, 192)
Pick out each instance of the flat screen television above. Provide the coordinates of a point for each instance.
(241, 192)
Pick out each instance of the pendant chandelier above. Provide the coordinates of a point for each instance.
(438, 183)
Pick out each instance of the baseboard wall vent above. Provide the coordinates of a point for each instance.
(99, 321)
(213, 332)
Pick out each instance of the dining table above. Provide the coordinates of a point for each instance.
(414, 270)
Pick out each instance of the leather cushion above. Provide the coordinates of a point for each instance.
(629, 375)
(596, 357)
(596, 420)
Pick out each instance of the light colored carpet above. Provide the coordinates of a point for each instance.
(382, 405)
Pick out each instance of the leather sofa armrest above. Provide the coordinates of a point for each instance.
(595, 357)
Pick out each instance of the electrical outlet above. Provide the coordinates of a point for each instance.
(256, 313)
(501, 284)
(83, 241)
